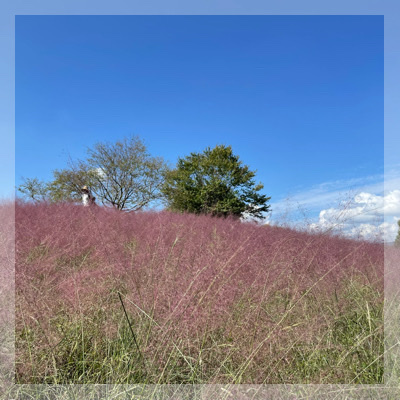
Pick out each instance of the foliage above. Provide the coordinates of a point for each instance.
(397, 241)
(214, 182)
(210, 300)
(34, 189)
(122, 175)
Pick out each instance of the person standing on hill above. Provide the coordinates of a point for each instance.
(87, 198)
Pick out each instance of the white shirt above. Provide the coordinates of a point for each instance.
(85, 199)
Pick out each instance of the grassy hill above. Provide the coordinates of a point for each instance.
(111, 297)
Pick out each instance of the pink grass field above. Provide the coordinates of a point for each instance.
(210, 300)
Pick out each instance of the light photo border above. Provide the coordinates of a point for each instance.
(391, 142)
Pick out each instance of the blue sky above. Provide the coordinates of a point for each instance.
(299, 98)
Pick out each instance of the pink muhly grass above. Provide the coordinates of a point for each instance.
(163, 252)
(185, 275)
(7, 258)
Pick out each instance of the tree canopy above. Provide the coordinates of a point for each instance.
(214, 182)
(122, 175)
(397, 241)
(34, 189)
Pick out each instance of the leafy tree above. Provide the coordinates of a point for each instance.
(397, 241)
(214, 182)
(67, 183)
(34, 189)
(122, 175)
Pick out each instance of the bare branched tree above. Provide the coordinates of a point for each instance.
(34, 189)
(122, 175)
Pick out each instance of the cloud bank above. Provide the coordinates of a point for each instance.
(368, 216)
(362, 208)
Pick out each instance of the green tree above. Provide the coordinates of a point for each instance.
(214, 182)
(34, 189)
(397, 241)
(122, 175)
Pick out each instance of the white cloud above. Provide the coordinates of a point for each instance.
(329, 193)
(369, 216)
(392, 203)
(100, 172)
(386, 231)
(332, 192)
(363, 207)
